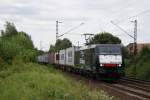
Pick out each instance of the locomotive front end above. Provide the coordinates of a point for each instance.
(110, 60)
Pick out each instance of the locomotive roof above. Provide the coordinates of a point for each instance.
(98, 45)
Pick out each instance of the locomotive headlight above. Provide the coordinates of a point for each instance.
(119, 65)
(101, 65)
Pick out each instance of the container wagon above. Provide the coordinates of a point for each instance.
(104, 61)
(43, 58)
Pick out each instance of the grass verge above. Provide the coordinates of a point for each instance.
(37, 82)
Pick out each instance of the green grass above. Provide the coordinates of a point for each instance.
(37, 82)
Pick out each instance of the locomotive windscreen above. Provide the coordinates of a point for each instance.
(109, 49)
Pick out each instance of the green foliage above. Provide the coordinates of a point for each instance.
(36, 82)
(105, 38)
(142, 65)
(52, 48)
(15, 44)
(125, 52)
(1, 61)
(145, 52)
(25, 56)
(10, 30)
(8, 50)
(24, 40)
(60, 44)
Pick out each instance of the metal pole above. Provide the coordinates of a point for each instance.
(86, 39)
(135, 38)
(135, 45)
(56, 30)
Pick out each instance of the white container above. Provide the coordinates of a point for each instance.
(62, 57)
(70, 55)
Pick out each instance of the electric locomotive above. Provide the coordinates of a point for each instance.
(102, 60)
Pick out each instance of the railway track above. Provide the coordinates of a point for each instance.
(133, 87)
(135, 83)
(130, 88)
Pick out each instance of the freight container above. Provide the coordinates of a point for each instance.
(62, 57)
(70, 55)
(51, 58)
(43, 58)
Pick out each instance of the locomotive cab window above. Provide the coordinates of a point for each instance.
(110, 50)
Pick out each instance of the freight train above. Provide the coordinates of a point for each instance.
(103, 61)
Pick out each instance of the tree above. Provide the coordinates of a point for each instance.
(125, 52)
(25, 40)
(105, 38)
(2, 33)
(66, 43)
(16, 44)
(61, 44)
(52, 48)
(145, 51)
(10, 30)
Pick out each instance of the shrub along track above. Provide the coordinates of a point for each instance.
(125, 88)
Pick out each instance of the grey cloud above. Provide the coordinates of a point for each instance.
(13, 10)
(38, 17)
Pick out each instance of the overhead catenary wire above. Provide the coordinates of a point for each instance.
(121, 29)
(71, 30)
(141, 13)
(136, 15)
(77, 34)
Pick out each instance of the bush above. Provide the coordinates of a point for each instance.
(12, 47)
(36, 82)
(143, 71)
(1, 61)
(14, 44)
(142, 65)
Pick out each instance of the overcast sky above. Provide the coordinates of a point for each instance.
(38, 18)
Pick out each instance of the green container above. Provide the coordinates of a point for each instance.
(85, 58)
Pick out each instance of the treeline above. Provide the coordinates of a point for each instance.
(15, 46)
